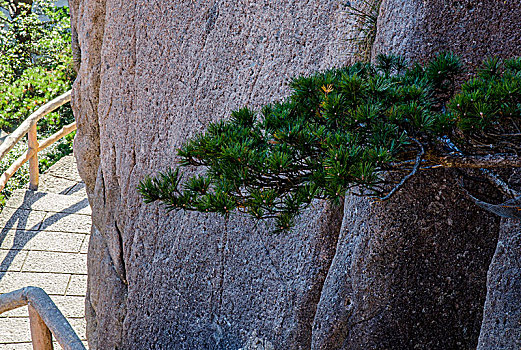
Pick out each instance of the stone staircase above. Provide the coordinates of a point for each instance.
(43, 242)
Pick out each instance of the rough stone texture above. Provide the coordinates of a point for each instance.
(501, 328)
(411, 273)
(104, 304)
(408, 273)
(472, 29)
(152, 74)
(255, 343)
(89, 20)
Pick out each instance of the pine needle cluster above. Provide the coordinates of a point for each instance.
(341, 131)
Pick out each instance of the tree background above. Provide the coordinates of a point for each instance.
(35, 67)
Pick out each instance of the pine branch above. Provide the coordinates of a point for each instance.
(500, 184)
(347, 128)
(510, 209)
(419, 157)
(490, 161)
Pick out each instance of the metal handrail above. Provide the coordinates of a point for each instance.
(31, 155)
(44, 318)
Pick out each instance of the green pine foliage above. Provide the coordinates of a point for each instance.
(340, 131)
(488, 109)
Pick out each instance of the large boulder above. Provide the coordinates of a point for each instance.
(501, 327)
(412, 272)
(398, 275)
(409, 273)
(152, 74)
(472, 29)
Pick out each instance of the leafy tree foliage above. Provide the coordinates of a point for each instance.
(35, 62)
(363, 129)
(35, 67)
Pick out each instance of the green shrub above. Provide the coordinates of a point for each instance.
(35, 67)
(46, 159)
(31, 90)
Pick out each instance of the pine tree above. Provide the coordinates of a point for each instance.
(363, 129)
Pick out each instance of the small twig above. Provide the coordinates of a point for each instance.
(504, 135)
(500, 184)
(510, 209)
(500, 160)
(408, 176)
(5, 20)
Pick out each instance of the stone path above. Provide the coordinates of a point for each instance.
(43, 242)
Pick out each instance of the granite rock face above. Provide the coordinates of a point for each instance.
(472, 29)
(412, 272)
(409, 273)
(501, 327)
(154, 73)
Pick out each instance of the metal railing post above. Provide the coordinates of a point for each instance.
(40, 334)
(34, 172)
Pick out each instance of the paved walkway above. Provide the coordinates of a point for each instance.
(43, 242)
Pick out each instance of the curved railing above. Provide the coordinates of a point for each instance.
(44, 319)
(31, 155)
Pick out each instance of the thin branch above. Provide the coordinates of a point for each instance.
(408, 176)
(500, 184)
(5, 20)
(504, 135)
(500, 160)
(510, 209)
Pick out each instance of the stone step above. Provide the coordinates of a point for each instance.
(65, 168)
(53, 184)
(50, 202)
(44, 237)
